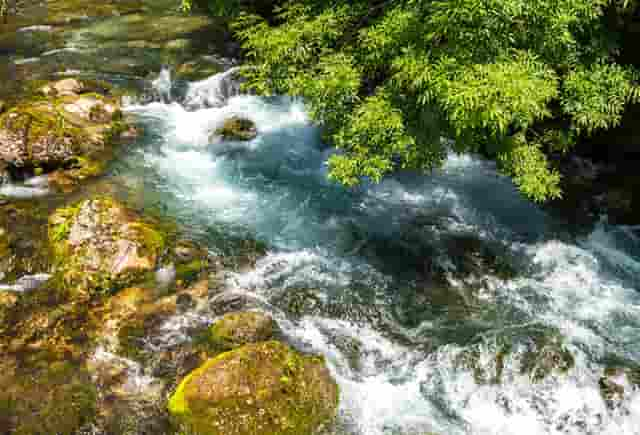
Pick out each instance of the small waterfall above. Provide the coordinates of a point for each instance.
(163, 84)
(213, 91)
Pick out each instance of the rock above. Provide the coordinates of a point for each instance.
(185, 252)
(63, 88)
(236, 128)
(178, 44)
(27, 283)
(70, 135)
(103, 246)
(536, 352)
(617, 382)
(258, 388)
(55, 397)
(92, 109)
(7, 302)
(240, 328)
(5, 175)
(546, 354)
(229, 301)
(32, 137)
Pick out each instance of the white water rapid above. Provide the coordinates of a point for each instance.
(360, 265)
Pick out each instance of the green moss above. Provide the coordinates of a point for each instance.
(237, 329)
(58, 398)
(287, 393)
(113, 222)
(237, 129)
(130, 337)
(190, 272)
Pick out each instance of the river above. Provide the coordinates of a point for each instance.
(427, 294)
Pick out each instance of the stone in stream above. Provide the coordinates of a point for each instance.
(101, 246)
(236, 128)
(618, 382)
(258, 388)
(536, 352)
(240, 328)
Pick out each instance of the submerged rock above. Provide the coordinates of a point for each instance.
(618, 382)
(535, 353)
(258, 388)
(236, 329)
(102, 246)
(236, 128)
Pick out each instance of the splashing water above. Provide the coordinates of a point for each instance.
(359, 266)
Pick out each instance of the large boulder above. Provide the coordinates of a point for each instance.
(258, 388)
(240, 328)
(102, 246)
(69, 134)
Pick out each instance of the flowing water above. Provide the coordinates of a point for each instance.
(397, 284)
(358, 267)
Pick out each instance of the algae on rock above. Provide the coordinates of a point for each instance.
(100, 245)
(240, 328)
(258, 388)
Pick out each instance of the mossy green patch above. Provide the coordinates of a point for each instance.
(112, 247)
(56, 398)
(258, 388)
(236, 128)
(237, 329)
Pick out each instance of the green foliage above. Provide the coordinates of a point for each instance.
(595, 98)
(513, 79)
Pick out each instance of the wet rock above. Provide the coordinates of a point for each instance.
(69, 135)
(31, 137)
(618, 382)
(64, 87)
(7, 302)
(229, 301)
(240, 328)
(265, 387)
(537, 353)
(53, 397)
(236, 128)
(102, 246)
(544, 355)
(27, 283)
(92, 109)
(186, 252)
(5, 175)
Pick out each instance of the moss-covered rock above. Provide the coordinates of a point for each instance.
(240, 328)
(258, 388)
(102, 246)
(236, 128)
(57, 398)
(23, 240)
(71, 132)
